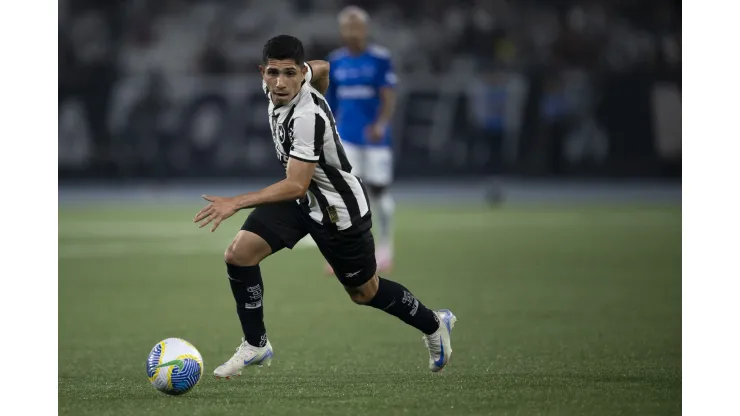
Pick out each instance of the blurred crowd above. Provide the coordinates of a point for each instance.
(589, 66)
(226, 36)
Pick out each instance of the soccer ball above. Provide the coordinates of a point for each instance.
(174, 366)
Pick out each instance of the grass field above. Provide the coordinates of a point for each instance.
(561, 310)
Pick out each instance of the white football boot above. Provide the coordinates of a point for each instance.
(438, 343)
(245, 355)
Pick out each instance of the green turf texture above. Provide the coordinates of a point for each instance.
(561, 310)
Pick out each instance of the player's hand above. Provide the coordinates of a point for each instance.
(219, 209)
(376, 131)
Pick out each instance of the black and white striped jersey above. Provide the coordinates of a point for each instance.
(305, 129)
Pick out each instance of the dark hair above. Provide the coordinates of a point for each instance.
(283, 47)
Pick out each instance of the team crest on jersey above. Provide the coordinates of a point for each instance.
(281, 133)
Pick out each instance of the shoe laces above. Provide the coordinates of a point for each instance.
(240, 350)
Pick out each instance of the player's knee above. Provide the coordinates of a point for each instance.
(364, 294)
(358, 297)
(241, 258)
(230, 256)
(236, 258)
(242, 252)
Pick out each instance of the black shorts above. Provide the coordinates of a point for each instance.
(351, 252)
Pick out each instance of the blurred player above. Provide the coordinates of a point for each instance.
(320, 197)
(361, 94)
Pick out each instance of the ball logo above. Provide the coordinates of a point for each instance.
(180, 364)
(281, 133)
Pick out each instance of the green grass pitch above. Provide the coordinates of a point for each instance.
(561, 310)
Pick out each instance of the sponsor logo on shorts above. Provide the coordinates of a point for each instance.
(353, 274)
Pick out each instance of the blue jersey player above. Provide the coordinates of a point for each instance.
(361, 95)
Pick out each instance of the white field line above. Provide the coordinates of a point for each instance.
(437, 222)
(105, 239)
(108, 249)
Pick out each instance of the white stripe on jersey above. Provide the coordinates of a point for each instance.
(354, 184)
(313, 205)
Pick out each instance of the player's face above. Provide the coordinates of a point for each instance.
(283, 78)
(353, 31)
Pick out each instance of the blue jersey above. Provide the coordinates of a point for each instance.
(354, 91)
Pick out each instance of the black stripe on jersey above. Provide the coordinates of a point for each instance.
(302, 159)
(364, 192)
(323, 205)
(343, 161)
(318, 134)
(342, 187)
(287, 124)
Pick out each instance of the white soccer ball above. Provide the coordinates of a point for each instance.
(174, 366)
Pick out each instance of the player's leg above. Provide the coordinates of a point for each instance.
(353, 258)
(378, 177)
(393, 298)
(242, 259)
(267, 230)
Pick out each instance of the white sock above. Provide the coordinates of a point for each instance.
(385, 206)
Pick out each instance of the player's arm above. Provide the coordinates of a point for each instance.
(307, 141)
(387, 106)
(320, 75)
(385, 113)
(294, 186)
(307, 138)
(385, 83)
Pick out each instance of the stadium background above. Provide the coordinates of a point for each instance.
(565, 113)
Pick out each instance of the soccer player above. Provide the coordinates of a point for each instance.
(320, 197)
(361, 93)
